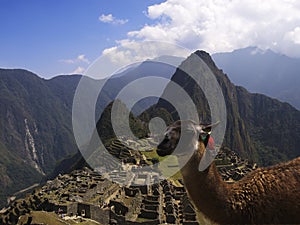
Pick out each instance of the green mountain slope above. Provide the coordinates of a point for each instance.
(36, 122)
(35, 129)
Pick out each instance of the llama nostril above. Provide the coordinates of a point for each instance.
(159, 146)
(160, 152)
(163, 144)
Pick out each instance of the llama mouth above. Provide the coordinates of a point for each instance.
(164, 148)
(163, 152)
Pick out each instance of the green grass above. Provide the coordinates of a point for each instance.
(142, 220)
(176, 177)
(166, 165)
(89, 222)
(151, 154)
(41, 217)
(169, 166)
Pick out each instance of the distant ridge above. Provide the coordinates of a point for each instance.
(263, 71)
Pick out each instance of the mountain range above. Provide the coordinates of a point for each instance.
(36, 138)
(36, 120)
(263, 71)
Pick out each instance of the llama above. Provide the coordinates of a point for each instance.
(265, 196)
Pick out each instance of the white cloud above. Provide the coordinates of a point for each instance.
(78, 70)
(79, 59)
(67, 61)
(82, 58)
(109, 18)
(131, 53)
(225, 25)
(294, 35)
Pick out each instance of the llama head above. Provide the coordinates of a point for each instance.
(184, 136)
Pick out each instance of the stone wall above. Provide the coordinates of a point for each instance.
(116, 219)
(119, 207)
(147, 214)
(101, 215)
(72, 209)
(149, 222)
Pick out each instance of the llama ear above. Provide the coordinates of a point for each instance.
(206, 129)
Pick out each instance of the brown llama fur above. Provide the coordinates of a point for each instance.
(265, 196)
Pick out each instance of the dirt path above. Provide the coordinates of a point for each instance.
(26, 189)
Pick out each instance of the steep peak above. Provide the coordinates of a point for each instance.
(201, 53)
(206, 58)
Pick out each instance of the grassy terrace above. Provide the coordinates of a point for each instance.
(169, 167)
(41, 217)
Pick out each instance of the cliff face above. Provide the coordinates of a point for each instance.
(258, 127)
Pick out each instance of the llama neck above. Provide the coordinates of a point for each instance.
(206, 188)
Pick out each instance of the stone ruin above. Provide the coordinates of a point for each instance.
(87, 194)
(231, 167)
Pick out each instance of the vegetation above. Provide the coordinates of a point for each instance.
(41, 217)
(104, 125)
(26, 97)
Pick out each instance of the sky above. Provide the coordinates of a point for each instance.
(52, 37)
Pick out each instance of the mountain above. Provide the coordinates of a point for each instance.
(258, 127)
(163, 67)
(36, 133)
(171, 62)
(265, 72)
(35, 128)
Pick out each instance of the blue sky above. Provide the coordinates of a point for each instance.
(51, 37)
(39, 35)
